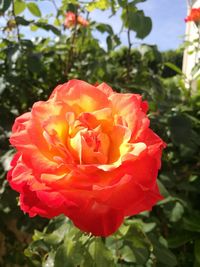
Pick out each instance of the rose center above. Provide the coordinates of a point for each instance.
(90, 146)
(92, 140)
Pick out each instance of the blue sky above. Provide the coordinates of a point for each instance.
(167, 16)
(168, 23)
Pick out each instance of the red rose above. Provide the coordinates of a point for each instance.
(194, 15)
(71, 20)
(87, 152)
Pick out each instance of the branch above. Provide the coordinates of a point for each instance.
(69, 62)
(17, 25)
(129, 46)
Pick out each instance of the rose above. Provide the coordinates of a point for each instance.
(194, 15)
(87, 152)
(71, 20)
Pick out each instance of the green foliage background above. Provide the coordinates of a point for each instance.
(169, 235)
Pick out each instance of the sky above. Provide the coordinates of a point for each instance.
(167, 17)
(168, 23)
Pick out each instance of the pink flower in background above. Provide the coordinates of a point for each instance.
(71, 20)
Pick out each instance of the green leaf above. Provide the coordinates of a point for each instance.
(62, 257)
(34, 9)
(57, 22)
(144, 25)
(6, 159)
(56, 236)
(13, 54)
(192, 223)
(2, 88)
(100, 253)
(109, 43)
(72, 6)
(127, 254)
(181, 128)
(137, 241)
(47, 27)
(163, 190)
(34, 246)
(102, 27)
(19, 6)
(34, 28)
(165, 256)
(174, 67)
(123, 3)
(112, 42)
(138, 1)
(137, 21)
(22, 21)
(4, 5)
(196, 264)
(183, 134)
(180, 238)
(49, 260)
(197, 251)
(27, 43)
(142, 255)
(148, 227)
(34, 63)
(98, 4)
(177, 212)
(73, 251)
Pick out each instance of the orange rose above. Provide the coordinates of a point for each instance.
(87, 152)
(71, 20)
(194, 15)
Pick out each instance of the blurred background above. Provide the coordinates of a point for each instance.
(135, 46)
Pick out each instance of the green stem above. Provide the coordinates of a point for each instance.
(95, 251)
(128, 59)
(17, 26)
(71, 51)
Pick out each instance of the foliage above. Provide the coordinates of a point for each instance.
(173, 57)
(131, 245)
(31, 68)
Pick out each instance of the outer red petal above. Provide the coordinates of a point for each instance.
(81, 96)
(106, 89)
(97, 218)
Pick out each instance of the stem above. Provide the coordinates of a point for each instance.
(128, 62)
(80, 52)
(54, 3)
(69, 62)
(95, 251)
(84, 33)
(129, 54)
(17, 25)
(57, 16)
